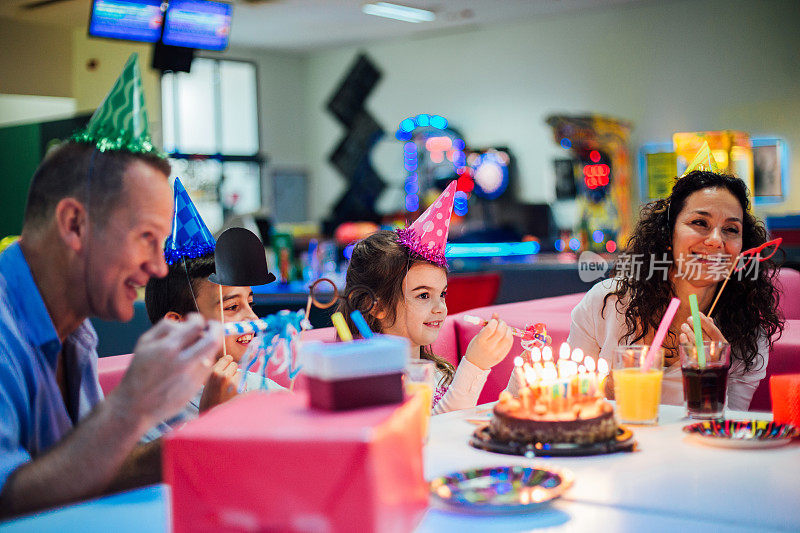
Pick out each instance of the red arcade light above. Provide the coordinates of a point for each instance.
(596, 175)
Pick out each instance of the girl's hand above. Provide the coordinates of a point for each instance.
(221, 385)
(710, 331)
(490, 345)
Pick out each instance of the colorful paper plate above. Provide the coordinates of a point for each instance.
(483, 440)
(742, 433)
(501, 489)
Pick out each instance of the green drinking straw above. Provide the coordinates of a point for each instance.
(698, 331)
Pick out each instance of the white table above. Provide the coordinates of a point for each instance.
(669, 482)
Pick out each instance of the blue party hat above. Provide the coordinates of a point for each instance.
(190, 237)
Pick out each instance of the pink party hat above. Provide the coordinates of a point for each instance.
(427, 236)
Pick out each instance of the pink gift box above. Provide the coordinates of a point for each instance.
(266, 462)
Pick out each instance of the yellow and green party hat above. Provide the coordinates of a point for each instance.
(704, 160)
(120, 123)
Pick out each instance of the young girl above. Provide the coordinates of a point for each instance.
(406, 272)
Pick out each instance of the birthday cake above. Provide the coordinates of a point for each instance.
(587, 421)
(560, 402)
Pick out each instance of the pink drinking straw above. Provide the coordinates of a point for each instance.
(661, 333)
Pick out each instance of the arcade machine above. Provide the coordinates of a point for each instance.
(435, 154)
(599, 149)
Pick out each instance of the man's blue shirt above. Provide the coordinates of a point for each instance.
(33, 415)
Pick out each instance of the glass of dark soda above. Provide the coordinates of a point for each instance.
(705, 378)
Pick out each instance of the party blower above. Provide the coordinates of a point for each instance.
(746, 257)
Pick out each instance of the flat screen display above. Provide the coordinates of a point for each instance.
(197, 24)
(133, 20)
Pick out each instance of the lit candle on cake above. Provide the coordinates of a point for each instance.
(570, 379)
(560, 402)
(525, 398)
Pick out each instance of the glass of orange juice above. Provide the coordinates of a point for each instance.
(420, 378)
(637, 389)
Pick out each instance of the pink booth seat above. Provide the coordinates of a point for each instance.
(553, 312)
(111, 369)
(785, 355)
(783, 359)
(456, 333)
(789, 283)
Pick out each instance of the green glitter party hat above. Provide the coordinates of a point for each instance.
(120, 123)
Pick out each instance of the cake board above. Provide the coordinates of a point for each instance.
(483, 440)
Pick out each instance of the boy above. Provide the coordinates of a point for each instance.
(186, 289)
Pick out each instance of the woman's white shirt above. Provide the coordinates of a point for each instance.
(597, 332)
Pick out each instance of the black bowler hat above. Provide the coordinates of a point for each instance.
(240, 260)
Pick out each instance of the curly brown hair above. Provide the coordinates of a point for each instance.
(746, 301)
(380, 263)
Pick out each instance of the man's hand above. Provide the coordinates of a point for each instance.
(490, 345)
(221, 384)
(171, 361)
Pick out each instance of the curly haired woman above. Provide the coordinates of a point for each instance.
(681, 245)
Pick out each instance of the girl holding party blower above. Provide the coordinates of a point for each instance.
(685, 245)
(406, 271)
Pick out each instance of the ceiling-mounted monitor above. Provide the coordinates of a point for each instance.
(132, 20)
(197, 24)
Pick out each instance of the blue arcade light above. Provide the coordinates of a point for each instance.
(412, 203)
(405, 133)
(566, 144)
(408, 125)
(438, 122)
(559, 245)
(491, 249)
(491, 176)
(598, 236)
(460, 205)
(574, 244)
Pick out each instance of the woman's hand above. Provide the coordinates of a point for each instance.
(608, 386)
(710, 330)
(221, 385)
(490, 345)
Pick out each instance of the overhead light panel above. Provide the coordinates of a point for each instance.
(398, 12)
